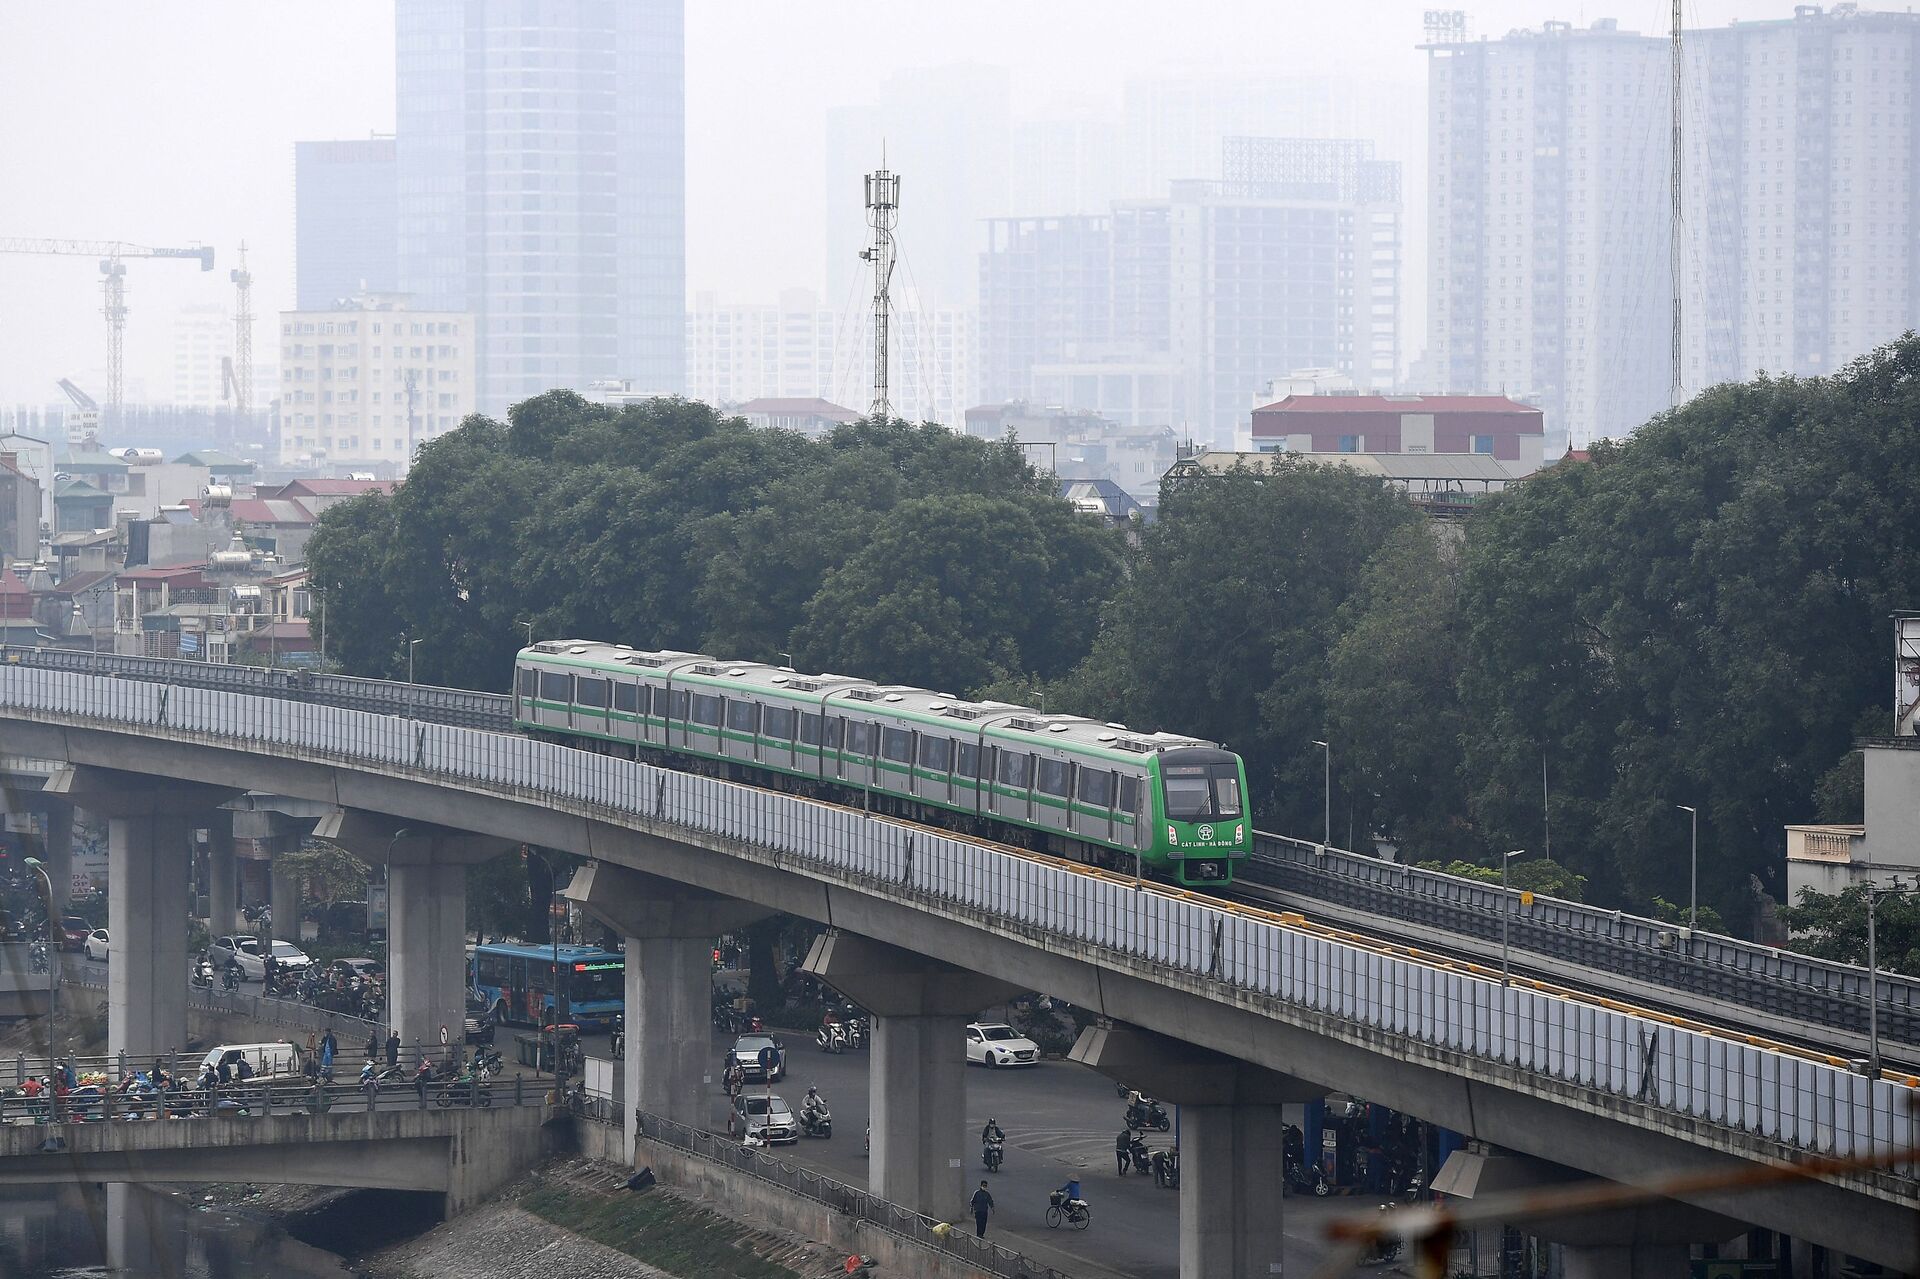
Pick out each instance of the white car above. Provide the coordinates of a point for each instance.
(96, 945)
(245, 953)
(994, 1043)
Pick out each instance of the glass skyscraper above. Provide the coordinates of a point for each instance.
(541, 178)
(343, 221)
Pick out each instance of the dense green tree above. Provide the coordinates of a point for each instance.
(1224, 626)
(1538, 875)
(1695, 617)
(1392, 693)
(1834, 926)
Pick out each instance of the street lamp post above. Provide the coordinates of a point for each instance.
(1693, 872)
(1506, 911)
(411, 645)
(53, 963)
(529, 626)
(1326, 796)
(1874, 894)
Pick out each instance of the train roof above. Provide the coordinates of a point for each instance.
(1003, 721)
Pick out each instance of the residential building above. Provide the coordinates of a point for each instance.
(1046, 294)
(202, 343)
(540, 179)
(1488, 425)
(1081, 446)
(809, 416)
(369, 382)
(1833, 857)
(33, 456)
(19, 512)
(345, 221)
(317, 493)
(1549, 208)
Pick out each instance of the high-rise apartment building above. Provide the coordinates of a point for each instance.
(1549, 208)
(371, 380)
(202, 339)
(344, 214)
(800, 350)
(1176, 311)
(541, 186)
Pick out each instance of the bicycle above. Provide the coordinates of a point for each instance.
(1074, 1212)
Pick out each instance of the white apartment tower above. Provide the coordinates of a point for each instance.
(1549, 208)
(369, 382)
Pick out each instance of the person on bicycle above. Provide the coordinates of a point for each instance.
(1072, 1192)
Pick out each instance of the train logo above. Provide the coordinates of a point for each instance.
(1206, 832)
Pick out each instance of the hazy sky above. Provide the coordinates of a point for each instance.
(173, 123)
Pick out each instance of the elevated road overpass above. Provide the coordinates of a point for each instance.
(1238, 1007)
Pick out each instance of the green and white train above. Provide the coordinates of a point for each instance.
(1099, 793)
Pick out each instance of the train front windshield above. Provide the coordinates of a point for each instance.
(1202, 790)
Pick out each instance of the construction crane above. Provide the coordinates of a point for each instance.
(242, 373)
(113, 285)
(83, 429)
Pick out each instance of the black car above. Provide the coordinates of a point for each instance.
(746, 1054)
(479, 1019)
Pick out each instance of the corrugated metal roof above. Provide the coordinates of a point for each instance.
(1398, 404)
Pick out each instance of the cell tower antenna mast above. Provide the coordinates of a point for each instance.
(883, 213)
(1675, 390)
(242, 335)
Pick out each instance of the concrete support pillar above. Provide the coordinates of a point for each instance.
(1233, 1143)
(1623, 1261)
(284, 896)
(148, 864)
(59, 854)
(223, 910)
(426, 915)
(137, 1230)
(917, 1081)
(669, 929)
(147, 877)
(1232, 1166)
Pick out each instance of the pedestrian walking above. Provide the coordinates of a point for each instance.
(1159, 1162)
(329, 1046)
(373, 1045)
(1123, 1149)
(393, 1049)
(982, 1207)
(313, 1046)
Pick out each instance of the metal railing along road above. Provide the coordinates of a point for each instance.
(1819, 992)
(923, 1231)
(1822, 993)
(1716, 1088)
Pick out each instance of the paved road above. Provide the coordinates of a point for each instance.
(1060, 1120)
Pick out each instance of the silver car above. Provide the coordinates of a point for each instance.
(764, 1118)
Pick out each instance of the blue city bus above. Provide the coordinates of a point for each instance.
(516, 980)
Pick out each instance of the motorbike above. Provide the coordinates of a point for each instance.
(38, 954)
(1306, 1177)
(617, 1039)
(816, 1121)
(201, 975)
(1141, 1157)
(1148, 1113)
(1170, 1169)
(466, 1090)
(857, 1032)
(1383, 1249)
(993, 1153)
(831, 1037)
(486, 1062)
(230, 979)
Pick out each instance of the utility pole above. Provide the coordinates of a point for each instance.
(1675, 391)
(883, 213)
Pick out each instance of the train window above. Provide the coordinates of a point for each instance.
(1130, 794)
(777, 722)
(741, 716)
(859, 738)
(588, 691)
(680, 704)
(1015, 769)
(556, 688)
(1096, 787)
(1226, 790)
(896, 744)
(836, 729)
(528, 681)
(1052, 777)
(966, 759)
(626, 697)
(706, 710)
(809, 729)
(936, 754)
